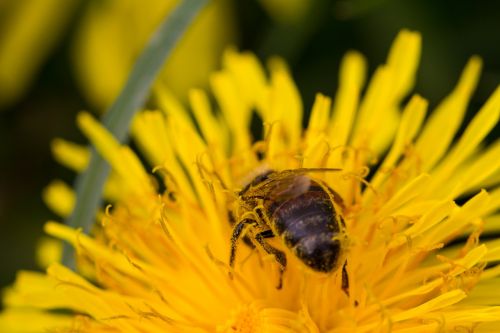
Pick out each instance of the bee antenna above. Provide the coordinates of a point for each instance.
(318, 169)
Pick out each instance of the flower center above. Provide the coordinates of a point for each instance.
(245, 319)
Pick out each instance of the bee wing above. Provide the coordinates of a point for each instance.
(293, 181)
(286, 185)
(283, 184)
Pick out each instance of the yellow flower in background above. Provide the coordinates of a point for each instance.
(158, 261)
(28, 32)
(109, 37)
(113, 33)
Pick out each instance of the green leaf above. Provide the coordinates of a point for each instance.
(89, 185)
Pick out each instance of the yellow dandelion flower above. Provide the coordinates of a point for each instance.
(396, 252)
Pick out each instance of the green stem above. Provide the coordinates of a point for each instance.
(89, 185)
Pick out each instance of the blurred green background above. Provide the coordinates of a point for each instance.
(314, 44)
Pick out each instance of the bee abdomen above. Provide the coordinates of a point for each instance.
(312, 223)
(320, 252)
(309, 213)
(308, 226)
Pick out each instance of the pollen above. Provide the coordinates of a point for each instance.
(243, 320)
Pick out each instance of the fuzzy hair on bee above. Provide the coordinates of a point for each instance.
(305, 213)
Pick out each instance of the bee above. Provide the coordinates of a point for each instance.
(305, 213)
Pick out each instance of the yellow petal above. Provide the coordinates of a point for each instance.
(475, 132)
(48, 252)
(59, 197)
(248, 75)
(412, 119)
(445, 120)
(149, 129)
(351, 80)
(403, 59)
(285, 103)
(442, 301)
(378, 113)
(71, 155)
(122, 159)
(32, 321)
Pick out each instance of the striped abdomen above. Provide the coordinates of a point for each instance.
(308, 226)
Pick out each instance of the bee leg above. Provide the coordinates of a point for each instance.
(267, 234)
(237, 232)
(231, 218)
(345, 279)
(278, 254)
